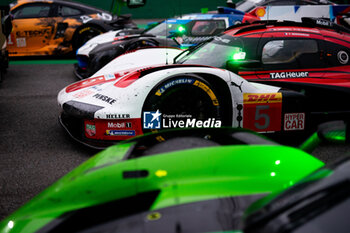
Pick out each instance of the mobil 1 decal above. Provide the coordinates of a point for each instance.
(262, 112)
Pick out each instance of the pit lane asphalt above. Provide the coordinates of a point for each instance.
(34, 149)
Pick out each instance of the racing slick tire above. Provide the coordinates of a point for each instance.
(82, 35)
(184, 98)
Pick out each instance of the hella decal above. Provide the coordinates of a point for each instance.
(117, 116)
(289, 75)
(294, 121)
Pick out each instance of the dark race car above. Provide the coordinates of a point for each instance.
(183, 32)
(56, 27)
(311, 57)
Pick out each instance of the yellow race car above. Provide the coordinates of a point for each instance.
(56, 27)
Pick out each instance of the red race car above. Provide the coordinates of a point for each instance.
(311, 57)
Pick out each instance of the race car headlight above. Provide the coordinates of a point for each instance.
(239, 56)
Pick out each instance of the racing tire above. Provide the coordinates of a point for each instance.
(82, 35)
(182, 97)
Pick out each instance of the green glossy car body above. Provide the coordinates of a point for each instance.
(135, 186)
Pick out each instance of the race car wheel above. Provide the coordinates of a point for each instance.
(188, 98)
(82, 35)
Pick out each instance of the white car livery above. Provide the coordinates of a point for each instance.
(119, 103)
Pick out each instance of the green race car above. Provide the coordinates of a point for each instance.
(198, 180)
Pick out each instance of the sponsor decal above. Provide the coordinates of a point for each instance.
(109, 76)
(105, 98)
(83, 94)
(90, 129)
(85, 19)
(102, 129)
(87, 83)
(208, 91)
(294, 121)
(119, 125)
(163, 88)
(262, 98)
(120, 132)
(194, 82)
(262, 112)
(21, 42)
(104, 16)
(117, 116)
(296, 34)
(157, 120)
(10, 39)
(323, 22)
(289, 75)
(32, 33)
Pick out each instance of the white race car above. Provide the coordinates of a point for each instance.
(145, 94)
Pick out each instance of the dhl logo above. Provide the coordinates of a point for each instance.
(254, 98)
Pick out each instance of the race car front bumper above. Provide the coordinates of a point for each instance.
(79, 122)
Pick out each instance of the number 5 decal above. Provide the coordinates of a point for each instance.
(259, 115)
(262, 112)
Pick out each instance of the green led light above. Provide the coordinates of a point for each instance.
(181, 29)
(277, 162)
(272, 174)
(239, 56)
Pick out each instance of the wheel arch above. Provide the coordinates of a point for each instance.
(220, 87)
(223, 93)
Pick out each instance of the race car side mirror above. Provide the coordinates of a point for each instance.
(135, 3)
(236, 65)
(333, 131)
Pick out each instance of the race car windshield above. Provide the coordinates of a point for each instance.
(167, 27)
(214, 53)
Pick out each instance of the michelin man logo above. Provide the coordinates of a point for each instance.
(152, 120)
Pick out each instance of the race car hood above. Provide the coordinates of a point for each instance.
(175, 178)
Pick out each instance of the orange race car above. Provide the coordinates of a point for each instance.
(56, 27)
